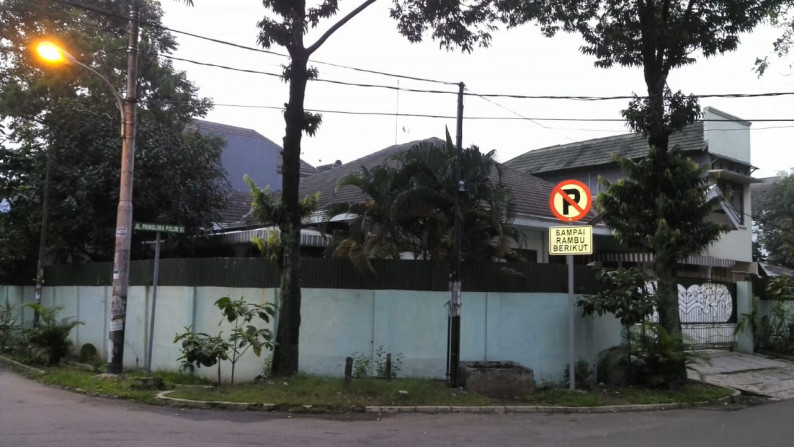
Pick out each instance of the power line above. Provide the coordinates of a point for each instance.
(330, 81)
(255, 49)
(482, 95)
(484, 118)
(389, 87)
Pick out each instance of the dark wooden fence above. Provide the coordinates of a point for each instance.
(333, 274)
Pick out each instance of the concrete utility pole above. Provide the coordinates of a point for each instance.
(121, 257)
(43, 236)
(453, 337)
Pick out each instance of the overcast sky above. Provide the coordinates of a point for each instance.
(519, 62)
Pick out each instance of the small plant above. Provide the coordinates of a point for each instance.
(49, 342)
(653, 355)
(627, 295)
(362, 365)
(376, 365)
(9, 330)
(774, 331)
(200, 349)
(583, 373)
(88, 353)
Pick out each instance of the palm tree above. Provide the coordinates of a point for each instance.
(411, 207)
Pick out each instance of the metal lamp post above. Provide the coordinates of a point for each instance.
(121, 257)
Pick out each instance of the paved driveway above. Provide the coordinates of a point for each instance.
(750, 373)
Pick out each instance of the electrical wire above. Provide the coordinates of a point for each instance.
(391, 87)
(481, 118)
(248, 48)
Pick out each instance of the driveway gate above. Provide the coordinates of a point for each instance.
(708, 312)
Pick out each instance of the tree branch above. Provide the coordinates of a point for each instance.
(336, 26)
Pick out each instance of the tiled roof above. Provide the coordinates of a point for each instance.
(599, 151)
(237, 212)
(305, 170)
(325, 181)
(208, 126)
(530, 193)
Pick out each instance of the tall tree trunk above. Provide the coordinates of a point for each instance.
(666, 263)
(285, 354)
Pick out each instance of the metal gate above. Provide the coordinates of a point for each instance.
(708, 312)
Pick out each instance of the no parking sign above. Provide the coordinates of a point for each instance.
(570, 200)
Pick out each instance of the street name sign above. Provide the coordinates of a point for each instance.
(571, 240)
(570, 200)
(160, 228)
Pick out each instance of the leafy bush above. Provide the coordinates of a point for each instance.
(774, 331)
(200, 349)
(88, 353)
(49, 342)
(375, 365)
(9, 330)
(583, 373)
(648, 361)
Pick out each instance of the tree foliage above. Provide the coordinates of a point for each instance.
(781, 47)
(656, 36)
(410, 207)
(774, 220)
(66, 113)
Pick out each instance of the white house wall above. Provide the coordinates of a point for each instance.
(736, 244)
(729, 138)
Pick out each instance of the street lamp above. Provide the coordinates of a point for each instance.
(121, 258)
(51, 52)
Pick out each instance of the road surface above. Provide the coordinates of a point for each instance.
(32, 414)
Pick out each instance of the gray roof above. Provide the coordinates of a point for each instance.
(599, 151)
(249, 159)
(237, 212)
(776, 270)
(531, 193)
(211, 126)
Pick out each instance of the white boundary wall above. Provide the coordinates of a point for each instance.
(527, 328)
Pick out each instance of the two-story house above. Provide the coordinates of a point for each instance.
(720, 142)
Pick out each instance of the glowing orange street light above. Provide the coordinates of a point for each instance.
(51, 52)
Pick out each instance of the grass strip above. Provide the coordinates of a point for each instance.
(308, 393)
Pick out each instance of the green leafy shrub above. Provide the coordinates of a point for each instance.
(88, 353)
(648, 361)
(200, 349)
(376, 365)
(9, 330)
(774, 331)
(583, 373)
(49, 342)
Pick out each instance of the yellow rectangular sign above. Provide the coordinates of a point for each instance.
(571, 240)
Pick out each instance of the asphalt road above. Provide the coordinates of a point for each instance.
(35, 415)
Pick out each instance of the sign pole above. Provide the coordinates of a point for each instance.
(571, 368)
(570, 200)
(154, 304)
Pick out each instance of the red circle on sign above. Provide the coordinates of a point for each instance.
(558, 190)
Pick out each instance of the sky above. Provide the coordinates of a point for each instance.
(359, 120)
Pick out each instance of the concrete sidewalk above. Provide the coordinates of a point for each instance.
(749, 373)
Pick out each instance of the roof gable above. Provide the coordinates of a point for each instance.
(600, 151)
(248, 152)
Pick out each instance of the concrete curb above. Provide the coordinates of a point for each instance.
(16, 364)
(504, 409)
(209, 404)
(444, 409)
